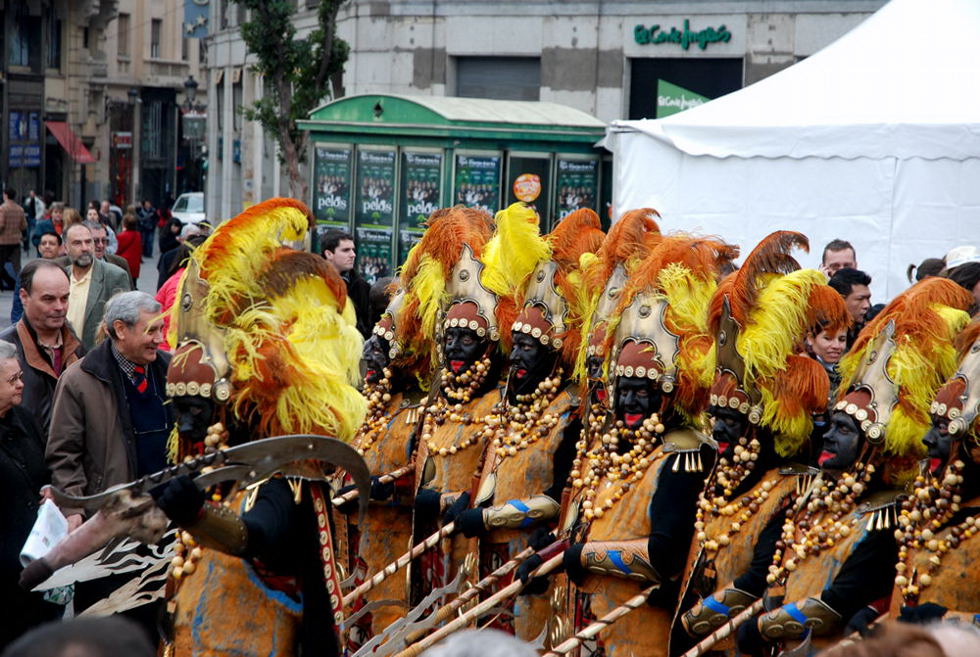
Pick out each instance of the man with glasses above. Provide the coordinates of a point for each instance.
(92, 283)
(100, 240)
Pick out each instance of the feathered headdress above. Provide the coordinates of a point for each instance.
(958, 400)
(898, 362)
(759, 316)
(553, 302)
(483, 290)
(278, 319)
(411, 319)
(660, 327)
(628, 242)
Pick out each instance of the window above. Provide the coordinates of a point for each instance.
(155, 26)
(122, 38)
(505, 78)
(184, 48)
(240, 18)
(220, 95)
(25, 41)
(54, 43)
(236, 93)
(152, 137)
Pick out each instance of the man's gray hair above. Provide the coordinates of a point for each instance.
(126, 307)
(7, 350)
(94, 225)
(481, 643)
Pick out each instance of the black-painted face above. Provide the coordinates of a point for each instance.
(841, 443)
(461, 348)
(375, 358)
(636, 400)
(939, 444)
(530, 363)
(729, 425)
(194, 416)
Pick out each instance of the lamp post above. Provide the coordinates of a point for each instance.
(193, 132)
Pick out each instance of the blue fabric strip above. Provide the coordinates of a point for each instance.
(617, 559)
(795, 613)
(715, 606)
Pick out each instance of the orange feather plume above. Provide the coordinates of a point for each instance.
(770, 257)
(629, 239)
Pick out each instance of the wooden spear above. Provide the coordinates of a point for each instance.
(465, 619)
(590, 632)
(398, 564)
(446, 612)
(383, 479)
(725, 630)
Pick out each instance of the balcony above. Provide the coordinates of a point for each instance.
(162, 73)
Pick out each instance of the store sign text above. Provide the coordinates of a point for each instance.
(684, 37)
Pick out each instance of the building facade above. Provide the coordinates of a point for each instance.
(614, 59)
(93, 95)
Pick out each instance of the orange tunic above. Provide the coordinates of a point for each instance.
(818, 572)
(704, 574)
(452, 474)
(955, 584)
(207, 622)
(387, 530)
(528, 473)
(626, 520)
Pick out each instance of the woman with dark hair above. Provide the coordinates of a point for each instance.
(827, 347)
(169, 234)
(131, 245)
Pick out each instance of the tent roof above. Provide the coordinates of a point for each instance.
(902, 84)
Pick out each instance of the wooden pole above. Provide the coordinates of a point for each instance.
(590, 632)
(383, 479)
(725, 630)
(465, 619)
(398, 564)
(446, 612)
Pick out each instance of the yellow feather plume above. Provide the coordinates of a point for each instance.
(514, 251)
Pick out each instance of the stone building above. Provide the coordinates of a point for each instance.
(614, 59)
(92, 97)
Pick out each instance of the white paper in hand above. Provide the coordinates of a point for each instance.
(49, 528)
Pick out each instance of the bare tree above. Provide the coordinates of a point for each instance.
(297, 73)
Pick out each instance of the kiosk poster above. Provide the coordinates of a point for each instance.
(578, 186)
(374, 216)
(421, 175)
(331, 185)
(373, 253)
(375, 188)
(421, 182)
(477, 183)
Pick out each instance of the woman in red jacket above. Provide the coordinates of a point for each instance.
(131, 245)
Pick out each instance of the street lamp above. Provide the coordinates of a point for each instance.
(190, 91)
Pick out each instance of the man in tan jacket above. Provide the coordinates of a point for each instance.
(13, 223)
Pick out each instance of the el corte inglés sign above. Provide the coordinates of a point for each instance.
(684, 37)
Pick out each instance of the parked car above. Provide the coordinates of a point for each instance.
(189, 208)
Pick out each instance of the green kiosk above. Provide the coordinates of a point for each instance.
(381, 163)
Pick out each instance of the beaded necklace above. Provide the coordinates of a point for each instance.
(925, 512)
(459, 389)
(186, 550)
(379, 396)
(727, 477)
(823, 524)
(515, 427)
(604, 462)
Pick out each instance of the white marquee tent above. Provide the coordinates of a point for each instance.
(875, 139)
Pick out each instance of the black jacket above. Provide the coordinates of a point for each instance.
(22, 473)
(359, 293)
